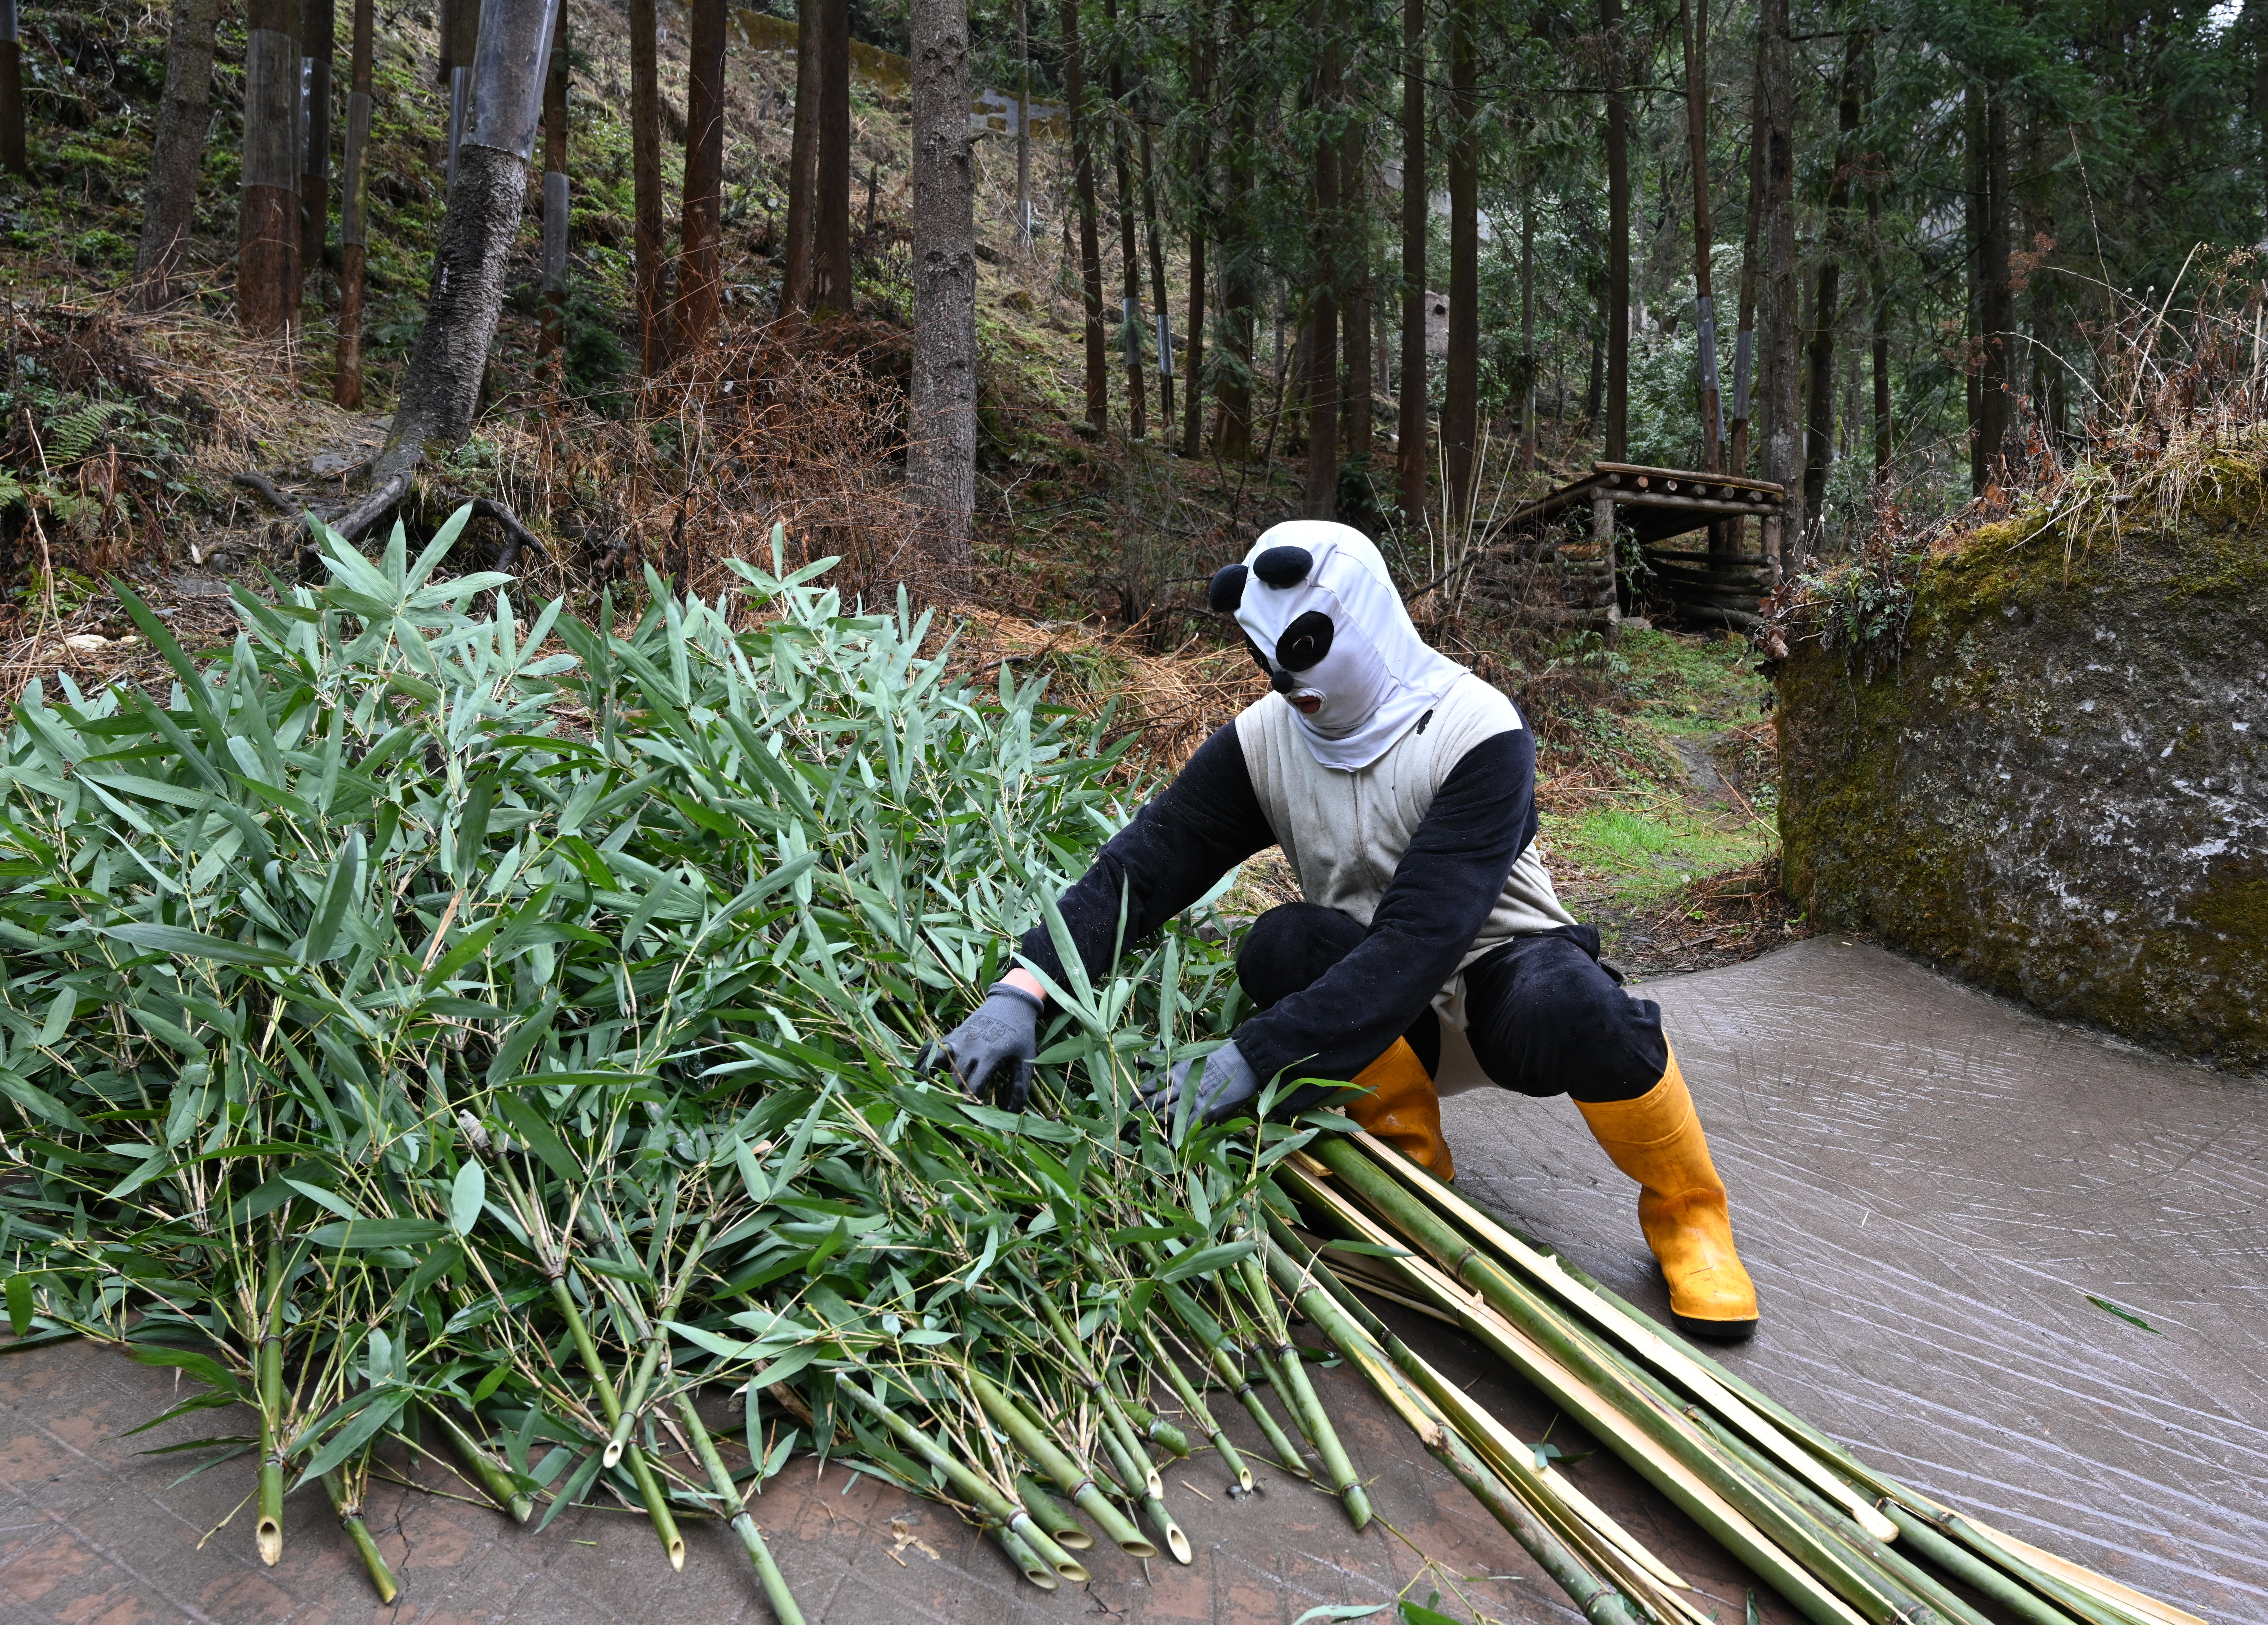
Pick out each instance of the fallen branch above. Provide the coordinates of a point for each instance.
(261, 486)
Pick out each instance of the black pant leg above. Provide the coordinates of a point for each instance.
(1545, 1019)
(1290, 946)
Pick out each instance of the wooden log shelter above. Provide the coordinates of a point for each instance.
(1699, 584)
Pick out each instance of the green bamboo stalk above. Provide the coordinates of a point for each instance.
(1193, 1402)
(1136, 1470)
(1223, 1353)
(1156, 1429)
(2091, 1607)
(350, 1511)
(1052, 1515)
(268, 1533)
(1027, 1545)
(1176, 1542)
(1829, 1520)
(1301, 1395)
(1972, 1570)
(1922, 1510)
(1074, 1480)
(484, 1466)
(1813, 1576)
(657, 1505)
(1326, 1303)
(656, 1341)
(1638, 1334)
(736, 1510)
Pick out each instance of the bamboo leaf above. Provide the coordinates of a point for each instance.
(185, 944)
(466, 1192)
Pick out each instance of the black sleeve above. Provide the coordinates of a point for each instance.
(1196, 829)
(1442, 892)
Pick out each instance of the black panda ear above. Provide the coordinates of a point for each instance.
(1228, 590)
(1284, 567)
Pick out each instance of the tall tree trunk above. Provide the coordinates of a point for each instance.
(1023, 128)
(1782, 318)
(1696, 15)
(1410, 416)
(1826, 304)
(1618, 318)
(1130, 253)
(803, 160)
(941, 408)
(1879, 278)
(463, 34)
(318, 46)
(646, 187)
(1156, 243)
(1321, 375)
(354, 210)
(1527, 362)
(1200, 179)
(441, 387)
(267, 221)
(700, 286)
(1997, 304)
(169, 197)
(1461, 399)
(12, 155)
(555, 197)
(1240, 249)
(1973, 210)
(1090, 242)
(830, 218)
(1354, 277)
(1744, 344)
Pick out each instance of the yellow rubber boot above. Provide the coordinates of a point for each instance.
(1657, 1140)
(1402, 1109)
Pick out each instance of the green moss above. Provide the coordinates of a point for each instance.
(2020, 794)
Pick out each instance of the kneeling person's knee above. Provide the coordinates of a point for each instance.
(1547, 1020)
(1289, 948)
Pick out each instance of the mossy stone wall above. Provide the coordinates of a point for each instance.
(2060, 790)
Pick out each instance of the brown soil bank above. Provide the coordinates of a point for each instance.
(2058, 788)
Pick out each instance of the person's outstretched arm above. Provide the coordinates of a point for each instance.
(1193, 832)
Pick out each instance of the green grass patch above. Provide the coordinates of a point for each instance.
(1633, 855)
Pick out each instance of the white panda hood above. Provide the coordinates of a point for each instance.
(1321, 614)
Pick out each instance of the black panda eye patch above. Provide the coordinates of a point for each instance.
(1304, 642)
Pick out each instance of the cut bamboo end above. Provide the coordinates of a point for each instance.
(1357, 1501)
(1026, 1559)
(1176, 1542)
(268, 1534)
(612, 1454)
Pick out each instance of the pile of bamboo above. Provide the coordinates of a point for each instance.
(453, 1038)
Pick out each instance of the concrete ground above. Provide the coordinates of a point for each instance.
(1929, 1187)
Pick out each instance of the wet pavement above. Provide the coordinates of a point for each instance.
(1931, 1186)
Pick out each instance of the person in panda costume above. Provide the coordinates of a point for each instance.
(1430, 944)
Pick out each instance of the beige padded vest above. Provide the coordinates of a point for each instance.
(1344, 833)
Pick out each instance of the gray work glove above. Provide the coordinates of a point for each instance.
(994, 1048)
(1226, 1083)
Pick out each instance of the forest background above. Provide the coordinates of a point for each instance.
(1414, 263)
